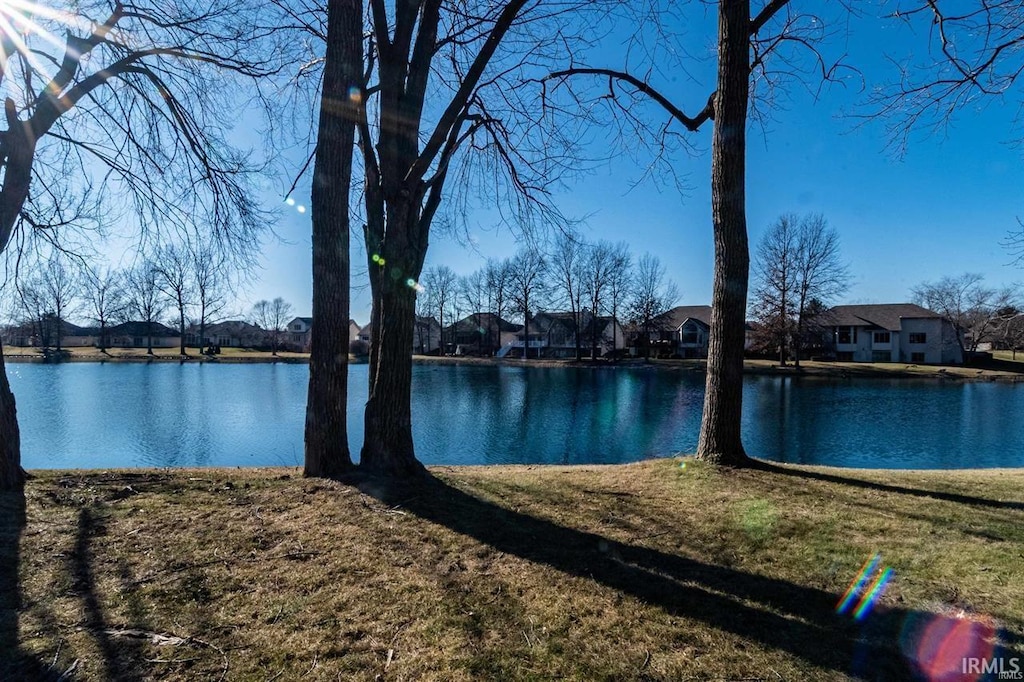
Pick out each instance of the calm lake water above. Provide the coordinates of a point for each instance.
(120, 415)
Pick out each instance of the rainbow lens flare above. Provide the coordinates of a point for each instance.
(864, 590)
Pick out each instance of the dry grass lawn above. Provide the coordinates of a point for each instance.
(651, 571)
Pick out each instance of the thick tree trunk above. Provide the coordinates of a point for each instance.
(720, 440)
(388, 447)
(19, 148)
(11, 475)
(326, 435)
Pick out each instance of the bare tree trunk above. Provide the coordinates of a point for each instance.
(181, 331)
(388, 446)
(577, 317)
(327, 451)
(11, 475)
(720, 440)
(17, 177)
(615, 322)
(526, 329)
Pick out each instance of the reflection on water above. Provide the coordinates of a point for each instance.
(106, 415)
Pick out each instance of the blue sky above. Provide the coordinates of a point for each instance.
(940, 208)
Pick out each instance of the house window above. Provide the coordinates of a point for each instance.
(881, 356)
(846, 335)
(882, 337)
(690, 335)
(917, 357)
(918, 337)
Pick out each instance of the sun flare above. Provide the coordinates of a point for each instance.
(22, 21)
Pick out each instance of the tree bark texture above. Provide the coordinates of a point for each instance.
(388, 447)
(405, 176)
(326, 435)
(720, 439)
(19, 151)
(11, 475)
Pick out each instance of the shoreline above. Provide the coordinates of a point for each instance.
(808, 369)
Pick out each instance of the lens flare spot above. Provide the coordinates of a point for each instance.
(355, 95)
(301, 209)
(945, 647)
(290, 201)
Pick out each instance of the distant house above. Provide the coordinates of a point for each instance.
(43, 333)
(479, 334)
(889, 332)
(426, 337)
(353, 331)
(298, 334)
(554, 335)
(688, 330)
(228, 334)
(137, 334)
(683, 331)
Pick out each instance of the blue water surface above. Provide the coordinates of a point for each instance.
(91, 415)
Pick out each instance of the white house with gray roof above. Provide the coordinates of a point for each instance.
(889, 332)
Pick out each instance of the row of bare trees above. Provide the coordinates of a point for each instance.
(569, 275)
(979, 314)
(193, 282)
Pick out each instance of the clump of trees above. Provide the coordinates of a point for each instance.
(979, 314)
(273, 318)
(798, 272)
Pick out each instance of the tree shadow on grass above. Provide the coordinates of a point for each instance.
(888, 487)
(795, 619)
(121, 659)
(15, 664)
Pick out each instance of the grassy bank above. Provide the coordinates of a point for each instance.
(90, 354)
(648, 571)
(1008, 371)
